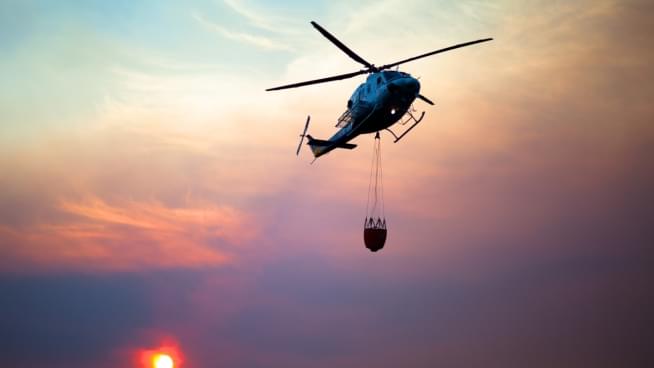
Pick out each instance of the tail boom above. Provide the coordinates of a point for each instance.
(320, 147)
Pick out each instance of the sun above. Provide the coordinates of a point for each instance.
(162, 361)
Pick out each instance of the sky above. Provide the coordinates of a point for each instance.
(150, 198)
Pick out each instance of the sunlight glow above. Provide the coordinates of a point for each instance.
(162, 361)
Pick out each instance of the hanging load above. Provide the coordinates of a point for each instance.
(374, 234)
(374, 228)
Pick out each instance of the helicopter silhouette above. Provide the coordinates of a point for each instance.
(378, 103)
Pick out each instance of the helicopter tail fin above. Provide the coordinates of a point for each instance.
(317, 145)
(318, 142)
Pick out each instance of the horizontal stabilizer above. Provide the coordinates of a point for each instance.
(346, 145)
(321, 143)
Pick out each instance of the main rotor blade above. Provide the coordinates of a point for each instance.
(340, 45)
(321, 80)
(434, 53)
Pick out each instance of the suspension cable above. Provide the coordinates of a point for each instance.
(376, 188)
(372, 168)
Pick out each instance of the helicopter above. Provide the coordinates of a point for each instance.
(378, 103)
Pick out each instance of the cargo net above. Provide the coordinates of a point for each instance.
(375, 216)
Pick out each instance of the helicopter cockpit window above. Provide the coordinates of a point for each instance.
(391, 75)
(358, 95)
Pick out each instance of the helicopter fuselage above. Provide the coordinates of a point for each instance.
(375, 105)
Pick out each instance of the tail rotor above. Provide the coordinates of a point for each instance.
(304, 134)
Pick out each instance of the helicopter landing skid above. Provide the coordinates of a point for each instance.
(415, 122)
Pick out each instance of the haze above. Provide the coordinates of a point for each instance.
(149, 189)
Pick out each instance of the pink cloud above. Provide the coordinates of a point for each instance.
(131, 235)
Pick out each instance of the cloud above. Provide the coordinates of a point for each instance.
(95, 235)
(254, 40)
(268, 22)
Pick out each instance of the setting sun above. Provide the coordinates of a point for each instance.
(162, 361)
(165, 355)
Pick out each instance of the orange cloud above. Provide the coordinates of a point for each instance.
(93, 234)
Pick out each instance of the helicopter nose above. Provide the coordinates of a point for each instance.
(412, 85)
(408, 87)
(405, 86)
